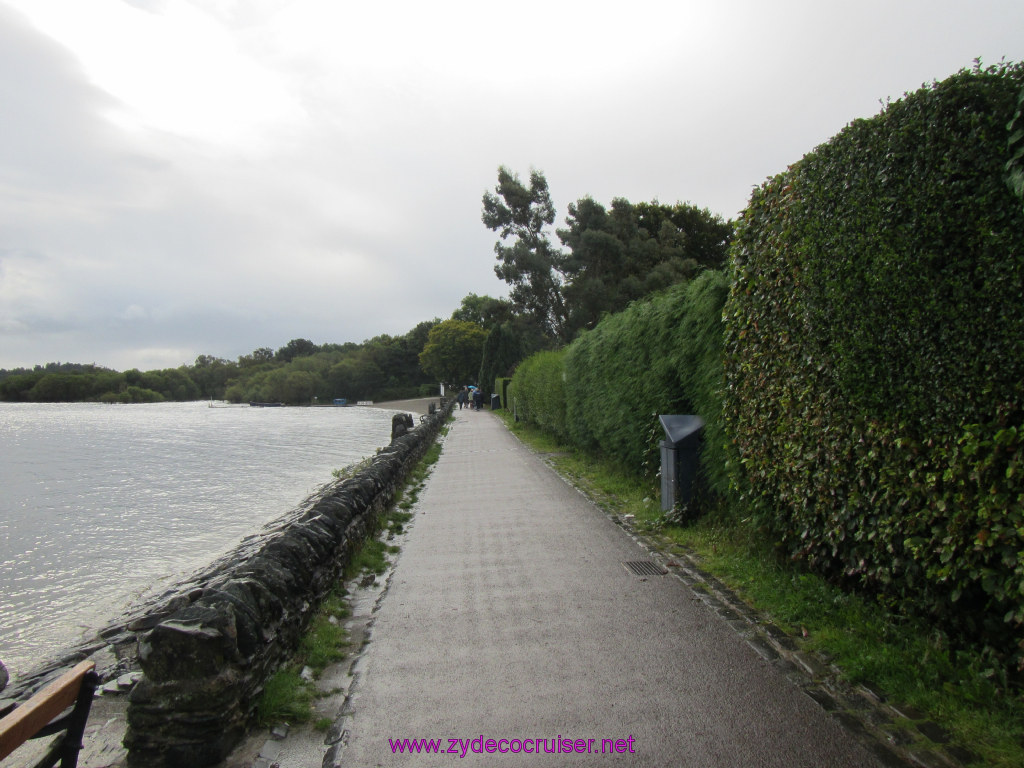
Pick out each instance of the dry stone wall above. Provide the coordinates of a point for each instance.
(206, 658)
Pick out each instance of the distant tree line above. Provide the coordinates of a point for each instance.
(609, 258)
(300, 372)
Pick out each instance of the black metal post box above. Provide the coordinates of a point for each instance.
(679, 459)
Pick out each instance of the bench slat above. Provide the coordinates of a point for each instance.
(23, 723)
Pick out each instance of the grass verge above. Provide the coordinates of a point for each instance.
(902, 656)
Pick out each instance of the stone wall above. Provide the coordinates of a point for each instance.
(208, 655)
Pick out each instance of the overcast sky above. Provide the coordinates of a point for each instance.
(185, 177)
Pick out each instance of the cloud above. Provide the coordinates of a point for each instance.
(211, 177)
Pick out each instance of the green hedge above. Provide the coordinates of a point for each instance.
(537, 392)
(605, 390)
(875, 357)
(662, 355)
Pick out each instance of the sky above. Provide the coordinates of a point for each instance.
(187, 177)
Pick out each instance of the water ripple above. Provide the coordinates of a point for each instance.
(101, 504)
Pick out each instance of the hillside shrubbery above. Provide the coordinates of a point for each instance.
(875, 357)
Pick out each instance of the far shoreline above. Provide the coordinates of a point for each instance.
(420, 405)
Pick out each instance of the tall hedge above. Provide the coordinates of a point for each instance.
(537, 392)
(875, 356)
(661, 355)
(605, 390)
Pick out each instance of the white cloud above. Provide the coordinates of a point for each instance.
(177, 70)
(210, 176)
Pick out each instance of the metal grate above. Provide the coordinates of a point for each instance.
(644, 568)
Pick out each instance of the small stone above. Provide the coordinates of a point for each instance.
(763, 648)
(336, 735)
(899, 737)
(126, 681)
(306, 674)
(271, 750)
(814, 667)
(824, 700)
(925, 759)
(279, 731)
(4, 676)
(873, 692)
(906, 711)
(961, 755)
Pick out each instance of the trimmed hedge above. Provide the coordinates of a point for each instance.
(537, 392)
(875, 357)
(662, 355)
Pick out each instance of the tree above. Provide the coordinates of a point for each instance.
(356, 377)
(485, 311)
(259, 356)
(17, 388)
(63, 388)
(529, 263)
(502, 350)
(295, 348)
(631, 251)
(210, 374)
(453, 351)
(597, 265)
(298, 387)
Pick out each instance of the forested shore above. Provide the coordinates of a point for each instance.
(611, 256)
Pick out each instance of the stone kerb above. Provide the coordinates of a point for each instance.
(205, 664)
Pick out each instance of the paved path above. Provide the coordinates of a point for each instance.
(510, 616)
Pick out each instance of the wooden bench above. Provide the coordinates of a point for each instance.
(44, 715)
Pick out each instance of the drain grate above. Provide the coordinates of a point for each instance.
(644, 568)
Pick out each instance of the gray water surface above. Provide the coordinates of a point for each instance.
(102, 504)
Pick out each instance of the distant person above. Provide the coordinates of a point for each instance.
(478, 400)
(462, 397)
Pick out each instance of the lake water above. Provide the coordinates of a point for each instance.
(100, 504)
